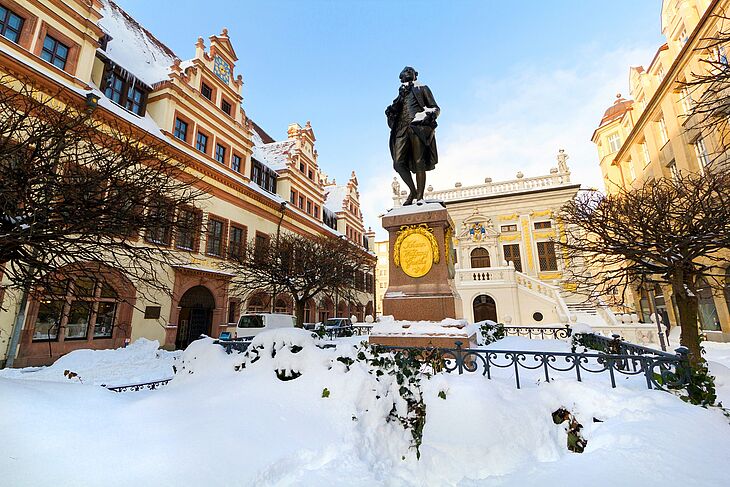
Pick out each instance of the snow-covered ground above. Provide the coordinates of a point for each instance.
(213, 425)
(718, 361)
(140, 362)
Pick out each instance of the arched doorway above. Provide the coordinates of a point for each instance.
(196, 315)
(480, 258)
(484, 308)
(326, 310)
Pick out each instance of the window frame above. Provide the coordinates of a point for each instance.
(225, 102)
(54, 55)
(236, 161)
(5, 27)
(207, 145)
(546, 252)
(175, 128)
(518, 261)
(206, 87)
(221, 238)
(218, 147)
(241, 244)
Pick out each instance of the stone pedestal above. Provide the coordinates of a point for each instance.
(421, 267)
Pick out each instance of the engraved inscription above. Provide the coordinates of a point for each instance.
(416, 255)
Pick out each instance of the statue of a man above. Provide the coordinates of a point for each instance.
(412, 122)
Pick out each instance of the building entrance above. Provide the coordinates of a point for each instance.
(484, 308)
(196, 315)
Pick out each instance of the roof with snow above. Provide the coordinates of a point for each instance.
(274, 155)
(334, 196)
(133, 47)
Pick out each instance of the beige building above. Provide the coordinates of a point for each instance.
(507, 266)
(193, 102)
(651, 135)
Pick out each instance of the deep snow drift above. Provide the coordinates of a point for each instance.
(214, 425)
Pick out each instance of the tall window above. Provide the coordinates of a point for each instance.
(292, 197)
(673, 170)
(703, 157)
(201, 142)
(512, 254)
(207, 91)
(55, 52)
(632, 169)
(309, 207)
(480, 258)
(262, 243)
(236, 242)
(236, 162)
(161, 217)
(187, 229)
(645, 153)
(687, 102)
(663, 134)
(301, 202)
(220, 153)
(85, 308)
(546, 256)
(614, 142)
(214, 245)
(10, 24)
(181, 130)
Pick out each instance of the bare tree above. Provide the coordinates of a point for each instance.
(303, 266)
(675, 231)
(81, 189)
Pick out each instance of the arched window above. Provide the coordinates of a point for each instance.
(280, 306)
(255, 304)
(480, 258)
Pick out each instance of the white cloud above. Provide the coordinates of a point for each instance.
(518, 122)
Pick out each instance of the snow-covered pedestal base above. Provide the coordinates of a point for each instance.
(426, 334)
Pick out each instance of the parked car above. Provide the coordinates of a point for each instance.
(338, 327)
(250, 325)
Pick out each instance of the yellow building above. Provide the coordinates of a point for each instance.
(381, 274)
(650, 136)
(257, 185)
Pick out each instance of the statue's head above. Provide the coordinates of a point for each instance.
(408, 74)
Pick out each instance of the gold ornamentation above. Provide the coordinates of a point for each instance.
(542, 213)
(510, 238)
(447, 245)
(506, 218)
(548, 276)
(545, 234)
(528, 244)
(415, 250)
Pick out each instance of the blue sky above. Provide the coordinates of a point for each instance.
(516, 81)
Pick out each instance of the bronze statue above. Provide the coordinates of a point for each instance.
(412, 122)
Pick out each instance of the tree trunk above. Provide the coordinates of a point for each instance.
(299, 312)
(688, 307)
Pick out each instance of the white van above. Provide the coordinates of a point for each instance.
(250, 325)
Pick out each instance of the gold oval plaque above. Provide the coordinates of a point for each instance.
(416, 255)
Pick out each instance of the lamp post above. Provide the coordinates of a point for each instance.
(282, 210)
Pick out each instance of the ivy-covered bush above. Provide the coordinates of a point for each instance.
(491, 331)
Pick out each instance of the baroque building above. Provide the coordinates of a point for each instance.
(507, 266)
(256, 184)
(650, 135)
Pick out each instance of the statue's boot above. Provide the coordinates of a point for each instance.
(421, 186)
(405, 175)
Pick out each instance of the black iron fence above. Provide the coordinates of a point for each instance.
(660, 371)
(139, 387)
(541, 332)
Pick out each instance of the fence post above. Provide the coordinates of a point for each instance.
(683, 355)
(459, 357)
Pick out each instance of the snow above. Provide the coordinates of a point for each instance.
(410, 209)
(275, 155)
(134, 48)
(447, 327)
(718, 361)
(334, 197)
(218, 426)
(140, 362)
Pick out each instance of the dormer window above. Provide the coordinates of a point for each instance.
(126, 91)
(206, 91)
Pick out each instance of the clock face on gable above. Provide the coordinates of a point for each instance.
(222, 69)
